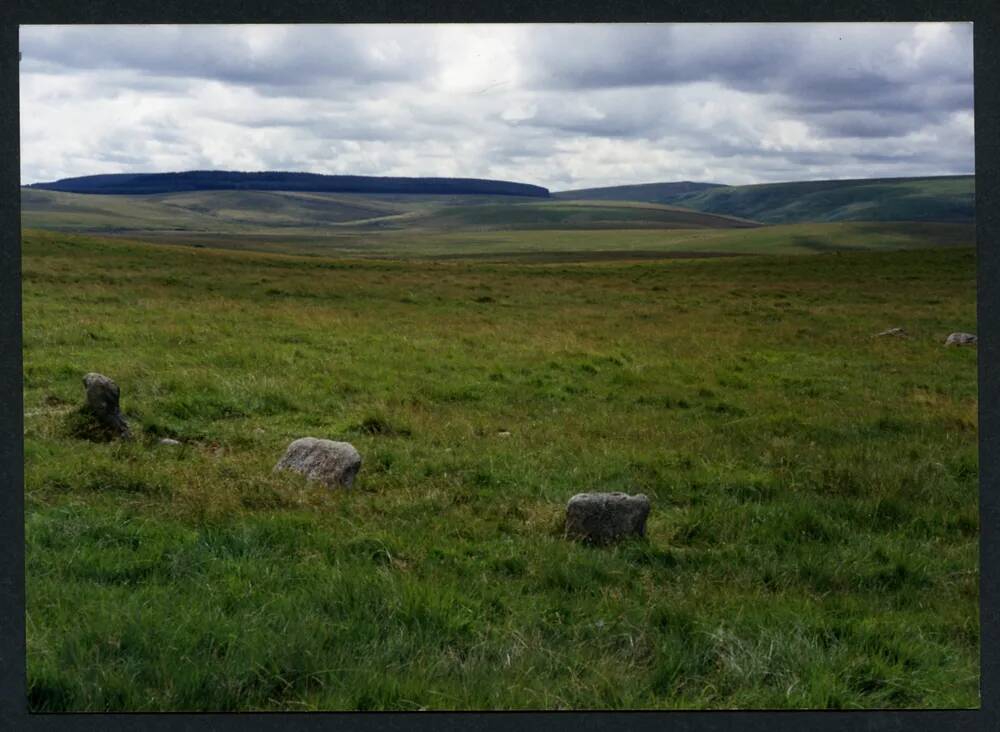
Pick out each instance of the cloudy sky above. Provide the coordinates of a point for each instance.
(563, 106)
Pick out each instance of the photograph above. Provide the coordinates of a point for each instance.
(485, 367)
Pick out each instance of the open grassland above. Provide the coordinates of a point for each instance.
(586, 245)
(582, 244)
(813, 540)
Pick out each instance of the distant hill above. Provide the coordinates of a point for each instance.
(649, 192)
(942, 199)
(218, 180)
(260, 212)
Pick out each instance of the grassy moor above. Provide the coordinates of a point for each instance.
(483, 367)
(814, 528)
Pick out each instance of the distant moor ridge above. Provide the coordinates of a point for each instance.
(940, 198)
(359, 214)
(220, 180)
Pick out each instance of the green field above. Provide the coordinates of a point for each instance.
(587, 245)
(814, 533)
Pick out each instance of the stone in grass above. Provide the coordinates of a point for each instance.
(325, 461)
(961, 339)
(102, 404)
(897, 332)
(168, 441)
(601, 518)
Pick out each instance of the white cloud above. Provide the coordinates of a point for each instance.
(560, 106)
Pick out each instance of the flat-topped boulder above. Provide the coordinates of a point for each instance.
(961, 339)
(601, 518)
(334, 464)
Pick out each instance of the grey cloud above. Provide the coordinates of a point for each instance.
(345, 125)
(607, 113)
(812, 69)
(299, 56)
(919, 97)
(588, 57)
(530, 145)
(793, 58)
(578, 105)
(612, 126)
(865, 123)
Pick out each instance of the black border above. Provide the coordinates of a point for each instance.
(985, 14)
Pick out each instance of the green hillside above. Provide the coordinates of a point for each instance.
(950, 199)
(651, 192)
(257, 212)
(946, 198)
(576, 214)
(195, 211)
(499, 227)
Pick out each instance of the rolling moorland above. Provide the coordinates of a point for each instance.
(498, 226)
(814, 533)
(943, 198)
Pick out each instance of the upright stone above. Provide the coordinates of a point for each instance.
(331, 463)
(601, 518)
(102, 402)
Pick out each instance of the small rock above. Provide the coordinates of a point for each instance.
(503, 433)
(898, 332)
(328, 462)
(168, 441)
(102, 402)
(961, 339)
(600, 518)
